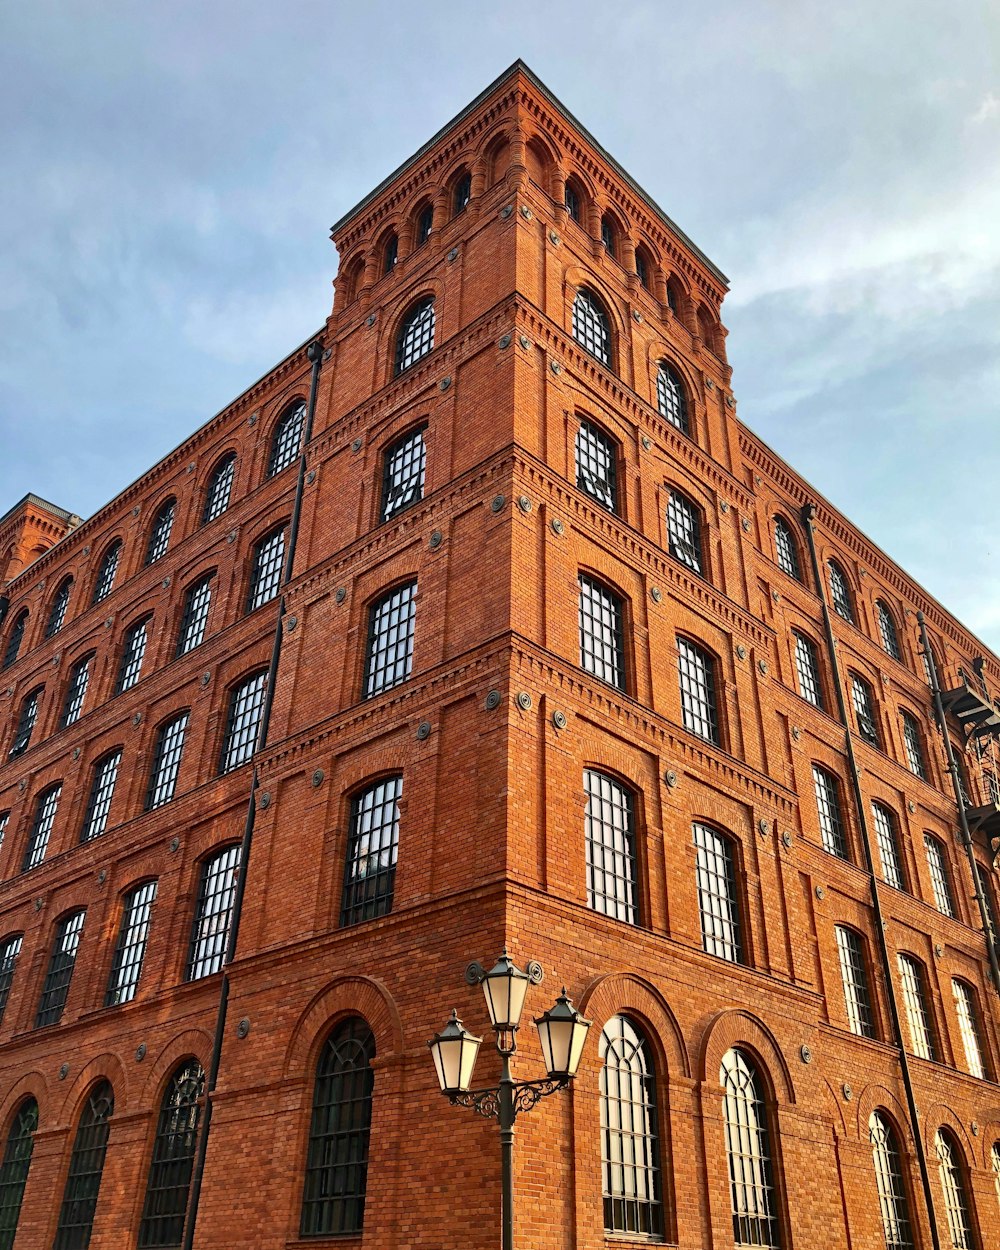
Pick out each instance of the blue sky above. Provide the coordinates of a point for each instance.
(171, 170)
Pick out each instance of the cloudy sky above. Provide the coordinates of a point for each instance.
(171, 170)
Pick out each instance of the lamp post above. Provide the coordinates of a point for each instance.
(562, 1031)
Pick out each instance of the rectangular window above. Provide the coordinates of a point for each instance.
(76, 692)
(968, 1024)
(268, 564)
(854, 974)
(403, 473)
(246, 705)
(610, 837)
(167, 756)
(210, 932)
(370, 874)
(133, 652)
(696, 670)
(917, 1011)
(131, 945)
(9, 952)
(914, 749)
(60, 973)
(597, 465)
(390, 640)
(718, 904)
(937, 864)
(888, 846)
(41, 827)
(194, 621)
(602, 643)
(807, 670)
(831, 822)
(102, 789)
(864, 709)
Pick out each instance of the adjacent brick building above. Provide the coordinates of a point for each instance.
(567, 660)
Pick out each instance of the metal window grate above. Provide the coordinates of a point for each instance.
(889, 1182)
(25, 723)
(390, 640)
(76, 692)
(597, 465)
(133, 651)
(671, 397)
(86, 1166)
(864, 709)
(210, 931)
(170, 1168)
(167, 755)
(194, 620)
(425, 223)
(918, 1015)
(831, 821)
(287, 438)
(854, 976)
(787, 552)
(610, 834)
(46, 807)
(105, 581)
(718, 904)
(60, 973)
(246, 704)
(968, 1026)
(60, 604)
(807, 670)
(403, 473)
(159, 535)
(839, 592)
(888, 846)
(630, 1147)
(370, 871)
(9, 952)
(591, 328)
(956, 1203)
(333, 1200)
(937, 865)
(219, 489)
(126, 967)
(684, 531)
(887, 631)
(416, 335)
(913, 745)
(268, 565)
(102, 790)
(696, 671)
(14, 1169)
(751, 1176)
(602, 640)
(14, 639)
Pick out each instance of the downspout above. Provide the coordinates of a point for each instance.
(963, 823)
(808, 518)
(314, 353)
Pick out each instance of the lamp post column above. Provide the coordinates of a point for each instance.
(506, 1120)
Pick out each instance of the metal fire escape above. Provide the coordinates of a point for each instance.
(980, 721)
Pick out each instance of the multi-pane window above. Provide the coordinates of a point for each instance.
(60, 973)
(159, 535)
(14, 639)
(403, 473)
(46, 806)
(370, 871)
(864, 709)
(219, 488)
(268, 564)
(126, 967)
(133, 652)
(840, 594)
(787, 551)
(4, 819)
(167, 755)
(333, 1200)
(671, 397)
(602, 632)
(246, 705)
(968, 1026)
(807, 669)
(956, 1201)
(888, 846)
(597, 465)
(608, 234)
(642, 268)
(416, 335)
(610, 833)
(425, 223)
(76, 691)
(463, 193)
(571, 199)
(86, 1166)
(918, 1013)
(913, 745)
(937, 865)
(10, 948)
(102, 789)
(630, 1147)
(892, 1201)
(887, 631)
(173, 1159)
(718, 902)
(854, 975)
(751, 1172)
(14, 1169)
(591, 327)
(831, 820)
(105, 580)
(390, 253)
(287, 437)
(684, 531)
(213, 913)
(25, 723)
(390, 640)
(696, 671)
(60, 604)
(194, 619)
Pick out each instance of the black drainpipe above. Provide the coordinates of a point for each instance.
(963, 823)
(808, 518)
(314, 353)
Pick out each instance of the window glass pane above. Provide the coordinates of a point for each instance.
(572, 202)
(602, 646)
(220, 486)
(10, 948)
(608, 235)
(463, 192)
(287, 438)
(159, 536)
(751, 1178)
(914, 747)
(14, 639)
(133, 652)
(630, 1147)
(14, 1169)
(370, 875)
(167, 755)
(76, 691)
(787, 552)
(60, 973)
(130, 948)
(173, 1157)
(917, 1009)
(425, 223)
(610, 836)
(268, 564)
(102, 789)
(831, 823)
(937, 864)
(210, 931)
(807, 670)
(718, 905)
(246, 705)
(197, 602)
(854, 974)
(956, 1203)
(403, 473)
(839, 592)
(590, 326)
(390, 640)
(57, 616)
(696, 670)
(889, 1183)
(390, 254)
(86, 1166)
(416, 335)
(106, 573)
(968, 1024)
(864, 709)
(684, 531)
(888, 846)
(887, 631)
(596, 465)
(46, 807)
(25, 723)
(671, 398)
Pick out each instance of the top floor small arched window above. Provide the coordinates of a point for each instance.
(390, 253)
(786, 549)
(425, 223)
(643, 267)
(591, 326)
(671, 397)
(609, 236)
(159, 535)
(14, 639)
(219, 488)
(462, 194)
(105, 580)
(287, 437)
(416, 334)
(840, 593)
(573, 199)
(60, 604)
(887, 631)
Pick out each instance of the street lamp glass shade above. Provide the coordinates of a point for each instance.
(505, 986)
(454, 1050)
(562, 1032)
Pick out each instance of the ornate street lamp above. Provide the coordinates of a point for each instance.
(562, 1031)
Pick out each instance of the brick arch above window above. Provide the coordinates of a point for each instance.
(737, 1028)
(344, 996)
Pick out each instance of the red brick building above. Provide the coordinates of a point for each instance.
(565, 660)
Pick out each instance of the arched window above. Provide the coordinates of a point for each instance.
(194, 619)
(864, 709)
(60, 603)
(643, 267)
(854, 976)
(213, 913)
(268, 562)
(461, 195)
(287, 437)
(102, 789)
(630, 1146)
(425, 224)
(887, 837)
(918, 1009)
(14, 639)
(416, 334)
(159, 535)
(912, 743)
(696, 672)
(370, 873)
(953, 1186)
(602, 632)
(25, 722)
(86, 1165)
(168, 751)
(684, 531)
(718, 900)
(995, 1160)
(10, 948)
(609, 236)
(591, 327)
(610, 833)
(173, 1157)
(403, 468)
(597, 465)
(105, 580)
(573, 201)
(333, 1199)
(674, 297)
(219, 488)
(133, 653)
(840, 594)
(751, 1171)
(46, 806)
(671, 397)
(831, 819)
(969, 1027)
(246, 707)
(76, 691)
(887, 631)
(937, 864)
(126, 967)
(61, 964)
(391, 624)
(14, 1169)
(807, 669)
(786, 549)
(887, 1158)
(390, 253)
